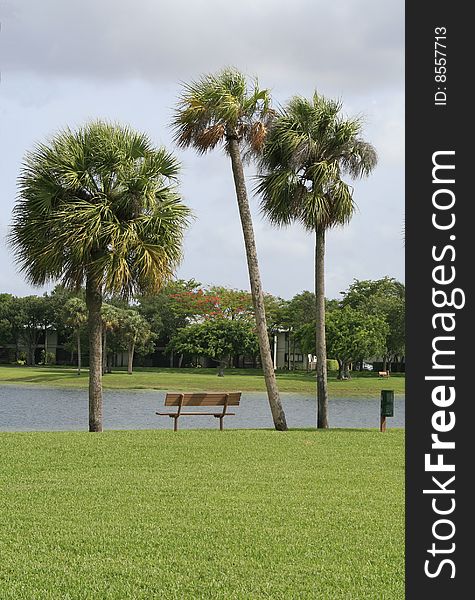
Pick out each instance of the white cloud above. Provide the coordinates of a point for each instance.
(347, 45)
(66, 62)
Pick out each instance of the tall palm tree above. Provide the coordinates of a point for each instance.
(98, 206)
(308, 150)
(220, 110)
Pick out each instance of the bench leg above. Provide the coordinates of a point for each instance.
(175, 426)
(221, 423)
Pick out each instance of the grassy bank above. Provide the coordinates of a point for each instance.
(202, 514)
(247, 380)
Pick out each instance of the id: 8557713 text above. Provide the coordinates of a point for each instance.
(440, 66)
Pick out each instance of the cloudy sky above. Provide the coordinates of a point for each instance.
(63, 63)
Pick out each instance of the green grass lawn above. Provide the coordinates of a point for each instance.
(202, 514)
(361, 385)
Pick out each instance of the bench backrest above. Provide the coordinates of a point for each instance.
(202, 399)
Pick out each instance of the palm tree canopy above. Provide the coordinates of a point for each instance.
(110, 316)
(308, 150)
(220, 106)
(74, 312)
(99, 200)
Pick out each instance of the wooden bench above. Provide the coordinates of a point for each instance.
(383, 373)
(201, 399)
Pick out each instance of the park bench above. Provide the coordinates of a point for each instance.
(383, 373)
(200, 399)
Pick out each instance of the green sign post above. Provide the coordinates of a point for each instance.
(387, 407)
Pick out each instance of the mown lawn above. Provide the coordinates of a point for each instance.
(247, 380)
(243, 514)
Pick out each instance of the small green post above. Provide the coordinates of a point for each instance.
(387, 407)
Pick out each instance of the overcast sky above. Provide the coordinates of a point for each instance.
(63, 63)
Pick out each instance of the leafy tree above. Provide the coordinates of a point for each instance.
(384, 298)
(295, 314)
(275, 311)
(306, 338)
(310, 147)
(75, 317)
(301, 309)
(352, 336)
(396, 338)
(216, 302)
(31, 312)
(222, 302)
(220, 110)
(238, 305)
(196, 304)
(6, 312)
(164, 313)
(11, 321)
(99, 207)
(216, 339)
(233, 304)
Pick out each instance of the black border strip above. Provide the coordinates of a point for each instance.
(447, 129)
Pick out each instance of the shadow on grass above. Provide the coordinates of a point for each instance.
(43, 375)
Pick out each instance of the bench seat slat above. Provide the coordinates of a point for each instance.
(194, 413)
(202, 399)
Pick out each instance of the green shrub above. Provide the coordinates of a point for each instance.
(50, 358)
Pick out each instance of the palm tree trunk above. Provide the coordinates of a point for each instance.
(322, 387)
(256, 286)
(78, 333)
(94, 303)
(104, 351)
(293, 353)
(46, 346)
(288, 350)
(130, 358)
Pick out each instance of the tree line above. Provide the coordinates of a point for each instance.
(217, 323)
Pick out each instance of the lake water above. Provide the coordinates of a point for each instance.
(45, 409)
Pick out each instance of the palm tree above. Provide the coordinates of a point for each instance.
(110, 316)
(98, 206)
(219, 110)
(75, 316)
(135, 331)
(308, 150)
